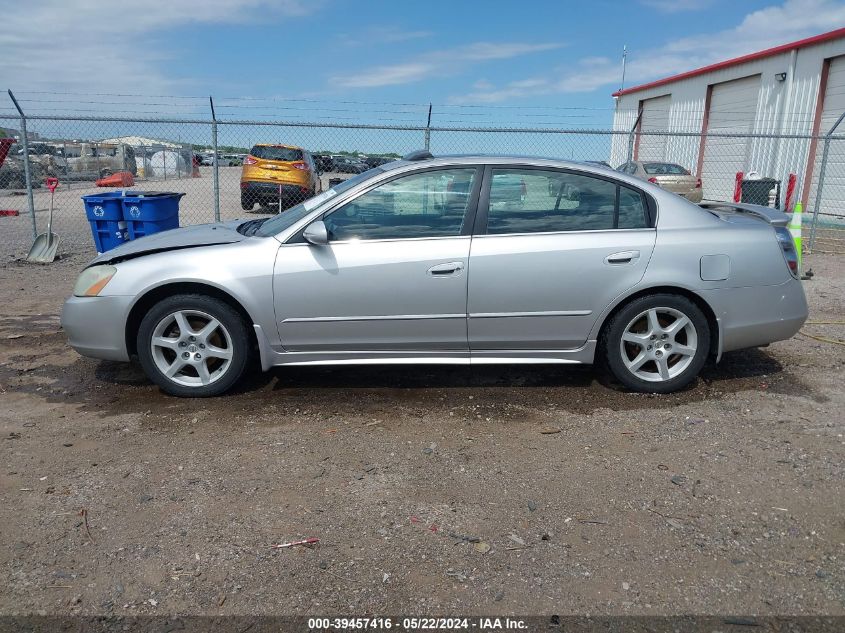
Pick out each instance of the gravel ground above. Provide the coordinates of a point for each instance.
(432, 490)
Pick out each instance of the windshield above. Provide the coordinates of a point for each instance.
(269, 152)
(278, 223)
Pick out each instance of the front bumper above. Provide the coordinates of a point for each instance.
(96, 326)
(755, 316)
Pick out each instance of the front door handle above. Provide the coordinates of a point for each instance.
(446, 269)
(624, 257)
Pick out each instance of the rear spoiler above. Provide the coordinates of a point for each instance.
(775, 217)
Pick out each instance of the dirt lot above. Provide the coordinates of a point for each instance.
(726, 498)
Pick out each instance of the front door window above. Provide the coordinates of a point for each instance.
(427, 204)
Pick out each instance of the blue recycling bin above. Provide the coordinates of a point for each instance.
(105, 215)
(148, 212)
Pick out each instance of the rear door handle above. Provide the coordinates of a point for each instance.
(446, 269)
(624, 257)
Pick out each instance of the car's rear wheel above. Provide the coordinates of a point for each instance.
(193, 345)
(247, 202)
(657, 343)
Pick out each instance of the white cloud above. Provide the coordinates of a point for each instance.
(382, 35)
(676, 6)
(765, 28)
(436, 64)
(103, 46)
(388, 75)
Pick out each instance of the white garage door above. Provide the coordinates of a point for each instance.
(833, 192)
(655, 118)
(733, 106)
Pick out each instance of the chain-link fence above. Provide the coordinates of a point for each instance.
(240, 168)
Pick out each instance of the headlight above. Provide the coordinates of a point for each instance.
(93, 280)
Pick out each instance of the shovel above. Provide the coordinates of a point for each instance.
(44, 247)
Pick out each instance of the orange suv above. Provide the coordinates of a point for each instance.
(278, 173)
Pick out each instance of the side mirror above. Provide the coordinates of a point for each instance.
(316, 233)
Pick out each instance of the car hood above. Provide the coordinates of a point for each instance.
(175, 239)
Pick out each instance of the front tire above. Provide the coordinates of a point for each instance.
(657, 344)
(193, 345)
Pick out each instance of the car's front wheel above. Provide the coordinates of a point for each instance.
(657, 343)
(193, 345)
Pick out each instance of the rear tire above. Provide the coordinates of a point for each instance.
(656, 344)
(193, 346)
(247, 203)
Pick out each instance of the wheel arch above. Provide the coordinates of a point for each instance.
(698, 300)
(158, 293)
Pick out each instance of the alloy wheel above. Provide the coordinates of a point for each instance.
(658, 344)
(191, 348)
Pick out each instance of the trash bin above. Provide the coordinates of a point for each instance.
(756, 191)
(148, 212)
(105, 215)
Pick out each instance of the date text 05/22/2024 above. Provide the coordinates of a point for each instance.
(418, 624)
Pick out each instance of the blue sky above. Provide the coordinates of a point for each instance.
(452, 53)
(532, 64)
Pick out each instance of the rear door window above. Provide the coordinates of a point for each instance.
(632, 211)
(545, 201)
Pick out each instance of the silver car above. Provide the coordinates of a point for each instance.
(444, 261)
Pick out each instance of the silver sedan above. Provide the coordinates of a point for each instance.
(451, 260)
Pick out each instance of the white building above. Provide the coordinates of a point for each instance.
(796, 88)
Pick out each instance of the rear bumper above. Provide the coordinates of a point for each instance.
(750, 317)
(258, 190)
(95, 326)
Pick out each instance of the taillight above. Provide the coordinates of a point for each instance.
(698, 183)
(787, 245)
(250, 160)
(653, 180)
(301, 166)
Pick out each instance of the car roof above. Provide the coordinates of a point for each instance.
(494, 159)
(534, 161)
(278, 145)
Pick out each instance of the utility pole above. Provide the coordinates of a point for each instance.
(624, 60)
